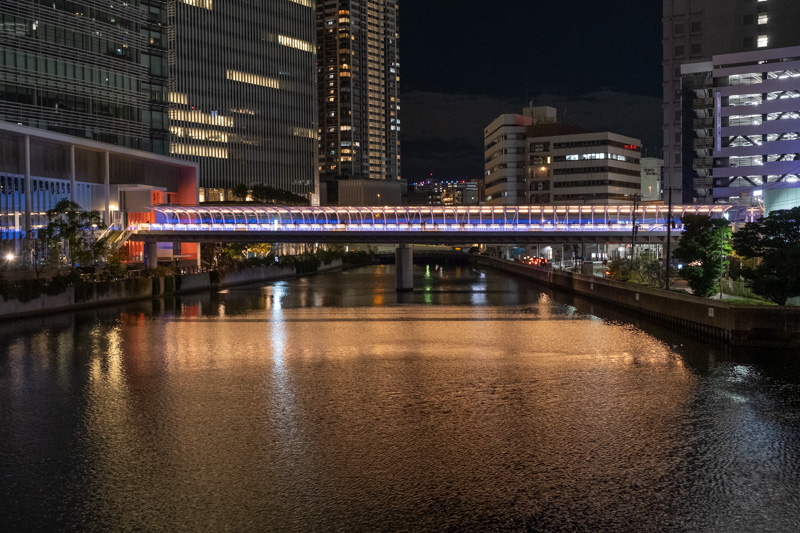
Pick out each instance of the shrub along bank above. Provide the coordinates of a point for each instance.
(33, 296)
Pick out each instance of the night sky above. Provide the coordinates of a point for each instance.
(465, 62)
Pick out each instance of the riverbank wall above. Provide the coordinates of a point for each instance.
(108, 293)
(709, 319)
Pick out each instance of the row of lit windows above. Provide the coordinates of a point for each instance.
(252, 79)
(200, 134)
(305, 132)
(177, 98)
(199, 117)
(307, 3)
(581, 157)
(205, 4)
(202, 151)
(295, 43)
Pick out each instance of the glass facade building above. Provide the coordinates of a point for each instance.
(87, 68)
(242, 92)
(358, 90)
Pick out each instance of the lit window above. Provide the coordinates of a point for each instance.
(296, 43)
(201, 151)
(305, 132)
(253, 79)
(763, 41)
(762, 18)
(177, 98)
(198, 117)
(205, 4)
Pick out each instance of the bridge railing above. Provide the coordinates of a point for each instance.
(426, 215)
(394, 227)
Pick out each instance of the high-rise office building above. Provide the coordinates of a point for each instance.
(358, 82)
(96, 70)
(230, 85)
(242, 92)
(694, 32)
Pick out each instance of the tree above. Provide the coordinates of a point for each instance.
(775, 240)
(74, 230)
(703, 248)
(241, 191)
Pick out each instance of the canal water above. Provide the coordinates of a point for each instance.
(480, 402)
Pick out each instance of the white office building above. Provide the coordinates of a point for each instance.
(533, 159)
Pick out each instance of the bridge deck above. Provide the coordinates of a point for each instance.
(416, 224)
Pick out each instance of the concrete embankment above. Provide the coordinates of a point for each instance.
(106, 293)
(734, 324)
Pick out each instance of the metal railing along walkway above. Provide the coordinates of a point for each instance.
(415, 224)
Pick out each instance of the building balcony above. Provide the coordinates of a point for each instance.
(704, 143)
(703, 183)
(703, 103)
(703, 84)
(703, 123)
(703, 163)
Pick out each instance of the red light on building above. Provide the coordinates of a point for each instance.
(631, 147)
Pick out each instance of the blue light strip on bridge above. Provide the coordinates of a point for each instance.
(399, 228)
(497, 218)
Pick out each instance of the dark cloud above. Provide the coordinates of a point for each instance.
(443, 133)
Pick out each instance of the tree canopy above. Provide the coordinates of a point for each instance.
(73, 229)
(775, 241)
(704, 247)
(266, 194)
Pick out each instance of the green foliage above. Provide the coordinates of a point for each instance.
(266, 194)
(303, 263)
(136, 286)
(84, 291)
(241, 191)
(775, 242)
(645, 269)
(115, 268)
(356, 258)
(73, 230)
(620, 269)
(703, 248)
(30, 289)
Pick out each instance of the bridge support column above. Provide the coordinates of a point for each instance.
(150, 254)
(404, 267)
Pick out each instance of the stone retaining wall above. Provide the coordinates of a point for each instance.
(736, 324)
(138, 289)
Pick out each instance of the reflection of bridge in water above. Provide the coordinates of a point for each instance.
(406, 225)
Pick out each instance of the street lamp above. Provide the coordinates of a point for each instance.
(636, 198)
(721, 261)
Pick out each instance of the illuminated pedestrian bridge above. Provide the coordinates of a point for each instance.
(416, 224)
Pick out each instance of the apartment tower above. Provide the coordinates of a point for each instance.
(358, 83)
